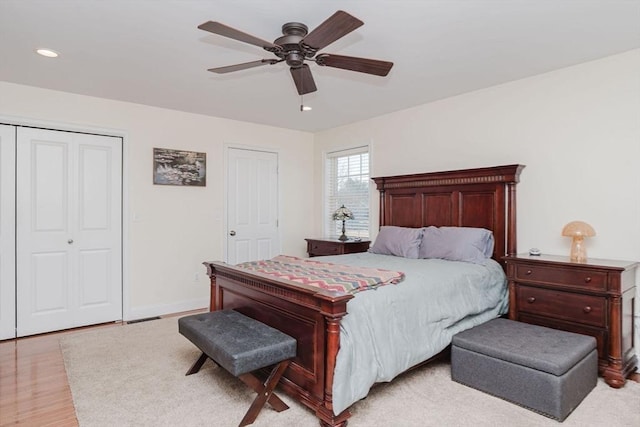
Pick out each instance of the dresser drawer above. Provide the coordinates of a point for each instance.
(579, 278)
(584, 309)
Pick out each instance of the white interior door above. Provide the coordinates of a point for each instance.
(69, 222)
(252, 205)
(7, 232)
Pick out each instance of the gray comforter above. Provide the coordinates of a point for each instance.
(395, 327)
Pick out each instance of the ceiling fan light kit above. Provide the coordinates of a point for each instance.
(298, 45)
(47, 53)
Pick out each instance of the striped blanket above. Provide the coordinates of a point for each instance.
(335, 277)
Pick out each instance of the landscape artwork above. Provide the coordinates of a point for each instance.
(175, 167)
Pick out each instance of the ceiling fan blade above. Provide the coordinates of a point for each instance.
(303, 79)
(232, 33)
(361, 65)
(337, 25)
(244, 66)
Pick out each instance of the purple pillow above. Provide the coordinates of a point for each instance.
(457, 244)
(398, 241)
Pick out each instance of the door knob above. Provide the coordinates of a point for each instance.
(232, 233)
(70, 241)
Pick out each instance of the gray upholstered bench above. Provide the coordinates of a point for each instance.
(241, 345)
(543, 369)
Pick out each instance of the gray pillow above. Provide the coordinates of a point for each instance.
(457, 244)
(398, 241)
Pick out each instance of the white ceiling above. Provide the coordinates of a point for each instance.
(150, 52)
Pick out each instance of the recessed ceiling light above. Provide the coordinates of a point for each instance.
(47, 52)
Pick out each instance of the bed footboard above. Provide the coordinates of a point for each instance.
(310, 315)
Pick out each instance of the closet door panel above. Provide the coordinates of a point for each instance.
(45, 248)
(69, 230)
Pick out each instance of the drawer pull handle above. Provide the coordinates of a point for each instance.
(528, 272)
(587, 309)
(587, 279)
(531, 300)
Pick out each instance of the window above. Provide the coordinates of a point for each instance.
(347, 183)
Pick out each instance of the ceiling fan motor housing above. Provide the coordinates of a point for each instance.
(293, 52)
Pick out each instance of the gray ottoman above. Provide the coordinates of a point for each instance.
(545, 370)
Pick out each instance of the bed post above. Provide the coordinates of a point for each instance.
(512, 242)
(382, 219)
(325, 411)
(213, 292)
(512, 232)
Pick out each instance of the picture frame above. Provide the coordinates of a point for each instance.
(179, 167)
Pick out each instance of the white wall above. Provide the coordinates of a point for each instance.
(172, 230)
(577, 130)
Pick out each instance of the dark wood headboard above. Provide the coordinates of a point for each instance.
(483, 197)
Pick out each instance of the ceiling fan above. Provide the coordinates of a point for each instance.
(297, 45)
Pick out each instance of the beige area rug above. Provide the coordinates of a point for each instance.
(134, 376)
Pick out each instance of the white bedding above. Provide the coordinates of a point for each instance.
(395, 327)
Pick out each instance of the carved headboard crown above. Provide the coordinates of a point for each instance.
(482, 197)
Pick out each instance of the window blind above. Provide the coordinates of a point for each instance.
(347, 183)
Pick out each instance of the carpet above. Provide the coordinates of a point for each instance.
(133, 375)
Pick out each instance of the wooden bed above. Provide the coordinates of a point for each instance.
(484, 197)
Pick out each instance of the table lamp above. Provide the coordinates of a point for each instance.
(578, 230)
(342, 214)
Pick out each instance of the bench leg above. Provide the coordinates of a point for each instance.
(256, 385)
(265, 393)
(198, 364)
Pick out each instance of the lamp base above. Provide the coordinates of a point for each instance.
(578, 250)
(344, 236)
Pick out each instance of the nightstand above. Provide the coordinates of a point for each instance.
(321, 247)
(593, 298)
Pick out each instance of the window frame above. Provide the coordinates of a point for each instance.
(329, 226)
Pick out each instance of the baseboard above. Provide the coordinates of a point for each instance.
(160, 310)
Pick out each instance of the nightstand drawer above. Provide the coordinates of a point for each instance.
(580, 278)
(325, 248)
(584, 309)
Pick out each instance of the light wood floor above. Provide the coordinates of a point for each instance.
(33, 382)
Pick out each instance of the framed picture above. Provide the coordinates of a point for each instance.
(175, 167)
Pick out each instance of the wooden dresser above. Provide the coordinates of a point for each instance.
(322, 247)
(594, 298)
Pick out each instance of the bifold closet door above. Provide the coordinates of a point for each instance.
(69, 230)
